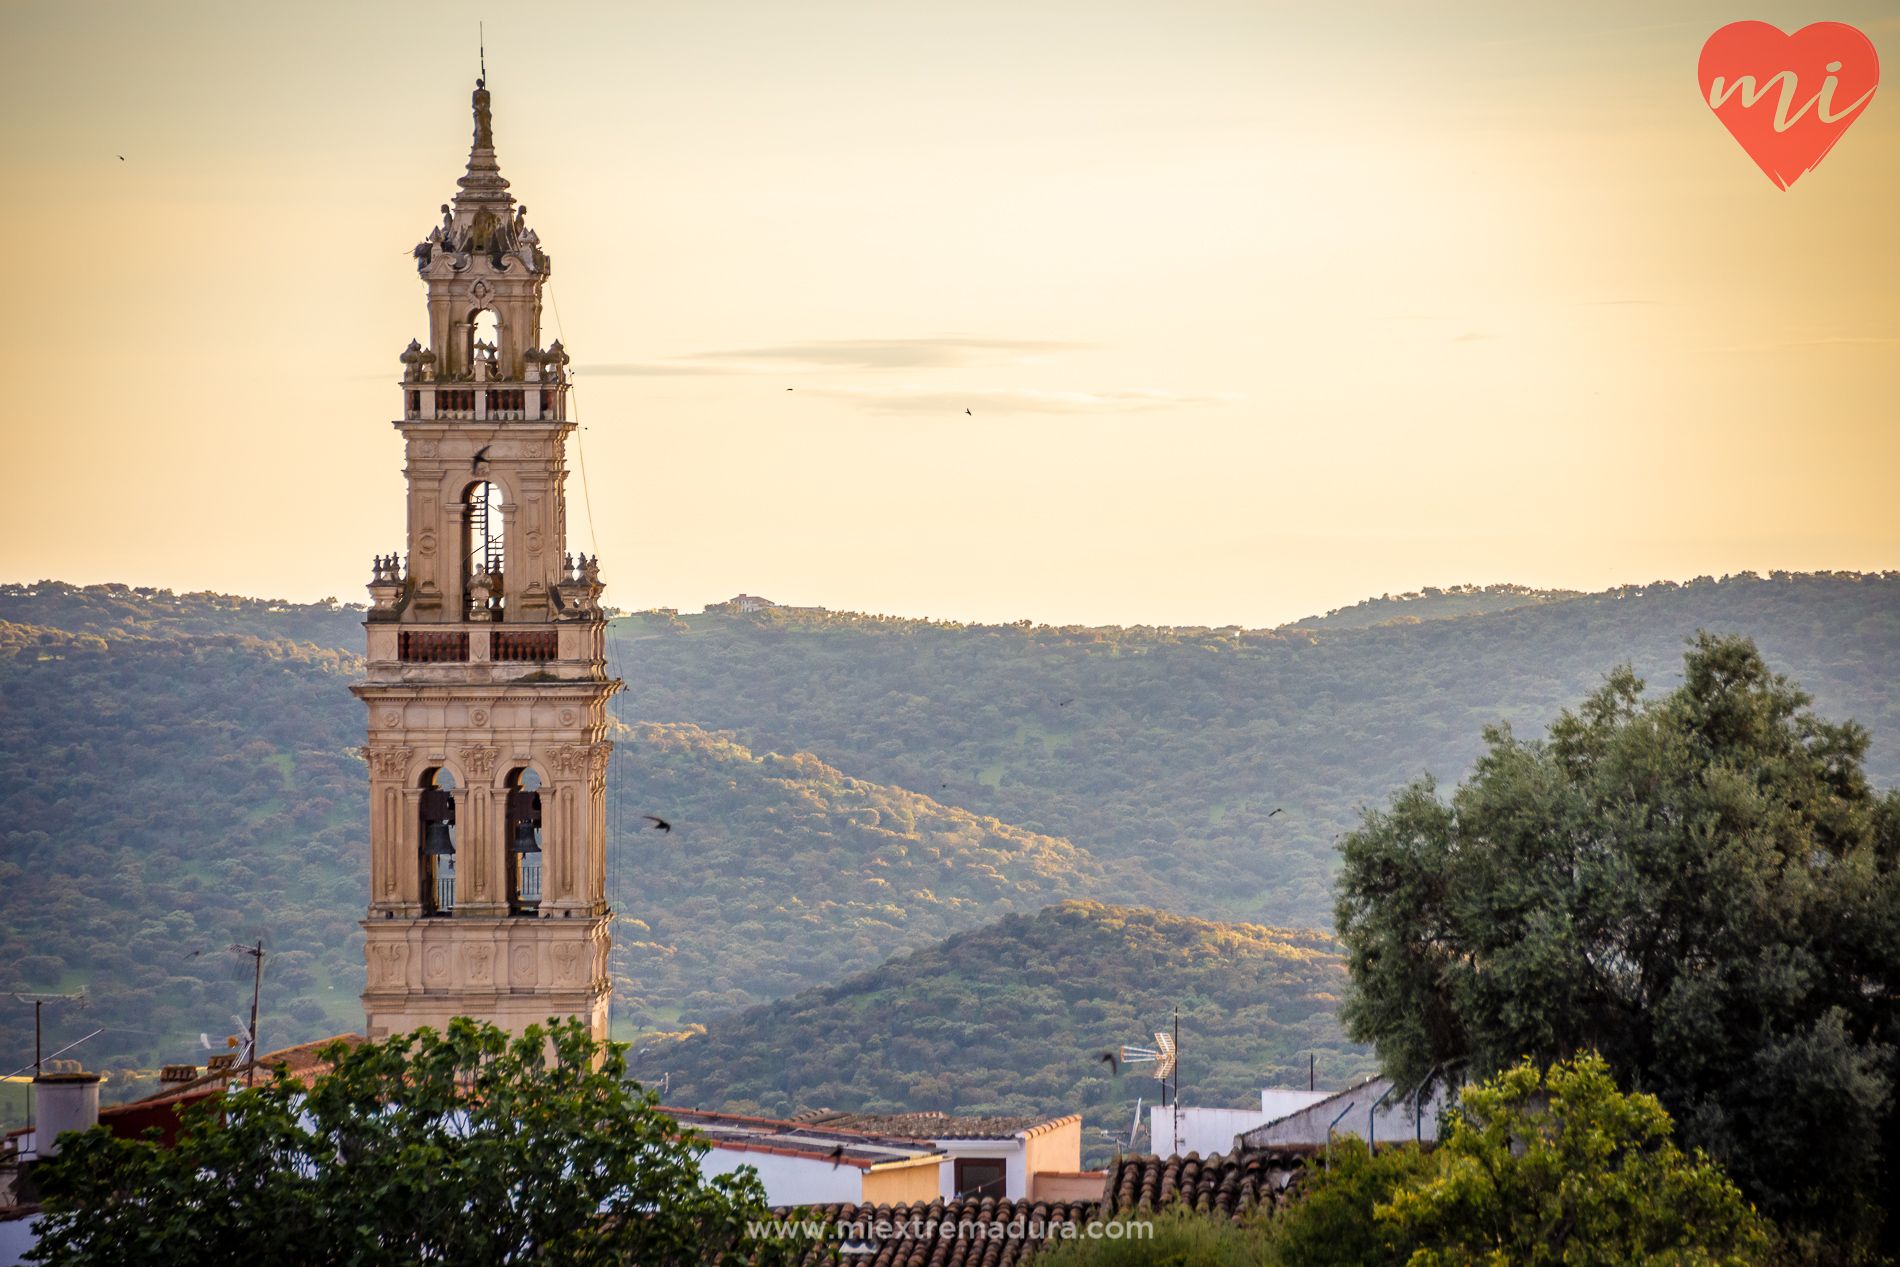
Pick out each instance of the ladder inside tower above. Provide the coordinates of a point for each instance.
(485, 557)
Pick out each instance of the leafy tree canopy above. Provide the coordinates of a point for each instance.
(1700, 886)
(461, 1147)
(1563, 1169)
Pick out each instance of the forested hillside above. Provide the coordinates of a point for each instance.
(123, 611)
(159, 800)
(1012, 1018)
(781, 873)
(1174, 747)
(172, 782)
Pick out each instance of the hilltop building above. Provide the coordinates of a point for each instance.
(486, 684)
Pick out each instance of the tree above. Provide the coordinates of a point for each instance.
(1699, 886)
(461, 1147)
(1334, 1223)
(1562, 1169)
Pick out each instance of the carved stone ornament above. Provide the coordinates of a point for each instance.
(568, 955)
(392, 718)
(478, 717)
(480, 964)
(480, 762)
(568, 716)
(435, 964)
(425, 544)
(522, 964)
(534, 543)
(388, 763)
(387, 960)
(425, 448)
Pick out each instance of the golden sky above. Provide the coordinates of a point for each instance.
(1257, 309)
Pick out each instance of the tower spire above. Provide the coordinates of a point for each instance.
(483, 187)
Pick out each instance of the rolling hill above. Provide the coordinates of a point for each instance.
(180, 769)
(1171, 749)
(1012, 1018)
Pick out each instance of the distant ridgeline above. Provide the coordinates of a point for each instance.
(1434, 604)
(1171, 748)
(182, 768)
(1012, 1018)
(122, 611)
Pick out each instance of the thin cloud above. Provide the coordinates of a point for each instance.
(1016, 400)
(953, 351)
(632, 369)
(1811, 343)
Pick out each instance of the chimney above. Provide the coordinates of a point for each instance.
(172, 1077)
(65, 1098)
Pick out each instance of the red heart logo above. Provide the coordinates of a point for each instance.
(1788, 98)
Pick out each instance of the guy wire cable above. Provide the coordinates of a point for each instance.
(620, 818)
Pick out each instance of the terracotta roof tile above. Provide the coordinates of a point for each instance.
(1233, 1185)
(862, 1149)
(936, 1125)
(965, 1232)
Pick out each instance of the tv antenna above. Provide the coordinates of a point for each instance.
(41, 1000)
(257, 985)
(481, 49)
(1164, 1056)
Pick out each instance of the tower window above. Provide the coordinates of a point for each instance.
(438, 842)
(485, 553)
(523, 825)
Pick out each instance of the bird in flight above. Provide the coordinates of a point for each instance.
(480, 458)
(837, 1156)
(1278, 809)
(1064, 703)
(121, 158)
(968, 412)
(1114, 1065)
(788, 389)
(659, 824)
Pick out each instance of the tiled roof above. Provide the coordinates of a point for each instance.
(965, 1231)
(300, 1062)
(1233, 1184)
(936, 1125)
(841, 1145)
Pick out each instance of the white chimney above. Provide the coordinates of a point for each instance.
(64, 1099)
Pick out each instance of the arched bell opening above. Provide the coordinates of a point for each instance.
(485, 340)
(484, 556)
(437, 856)
(522, 823)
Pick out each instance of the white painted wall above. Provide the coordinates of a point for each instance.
(790, 1180)
(16, 1237)
(1352, 1113)
(1203, 1131)
(1277, 1102)
(1015, 1177)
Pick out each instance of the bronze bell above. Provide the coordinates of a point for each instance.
(524, 841)
(436, 842)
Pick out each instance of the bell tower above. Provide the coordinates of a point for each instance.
(487, 685)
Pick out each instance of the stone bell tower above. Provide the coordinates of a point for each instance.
(487, 685)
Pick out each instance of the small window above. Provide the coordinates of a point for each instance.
(981, 1177)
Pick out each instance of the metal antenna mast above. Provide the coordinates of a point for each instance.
(257, 984)
(41, 1000)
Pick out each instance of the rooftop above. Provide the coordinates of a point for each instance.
(840, 1146)
(936, 1125)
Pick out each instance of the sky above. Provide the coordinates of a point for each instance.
(1161, 313)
